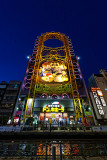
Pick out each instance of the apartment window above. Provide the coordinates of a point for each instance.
(16, 86)
(13, 86)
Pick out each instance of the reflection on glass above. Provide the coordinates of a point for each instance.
(43, 149)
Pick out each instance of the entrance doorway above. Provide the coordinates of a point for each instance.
(54, 118)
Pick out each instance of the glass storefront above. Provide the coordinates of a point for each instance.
(54, 118)
(60, 112)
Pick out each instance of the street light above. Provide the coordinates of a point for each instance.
(28, 57)
(78, 58)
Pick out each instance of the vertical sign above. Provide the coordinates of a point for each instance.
(29, 106)
(99, 99)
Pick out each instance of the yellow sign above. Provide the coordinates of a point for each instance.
(56, 109)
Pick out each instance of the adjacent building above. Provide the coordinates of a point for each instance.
(98, 95)
(53, 90)
(3, 86)
(8, 97)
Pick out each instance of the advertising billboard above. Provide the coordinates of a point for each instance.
(53, 107)
(58, 105)
(99, 100)
(29, 106)
(53, 72)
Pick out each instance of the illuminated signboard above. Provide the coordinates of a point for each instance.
(29, 106)
(99, 99)
(53, 72)
(53, 107)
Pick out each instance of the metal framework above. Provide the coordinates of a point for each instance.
(54, 55)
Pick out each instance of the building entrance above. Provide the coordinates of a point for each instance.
(54, 118)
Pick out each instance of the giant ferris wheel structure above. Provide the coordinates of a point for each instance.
(42, 54)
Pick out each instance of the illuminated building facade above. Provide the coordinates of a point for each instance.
(98, 96)
(53, 88)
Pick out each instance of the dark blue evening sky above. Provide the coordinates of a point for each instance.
(21, 21)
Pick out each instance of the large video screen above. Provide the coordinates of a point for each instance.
(53, 72)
